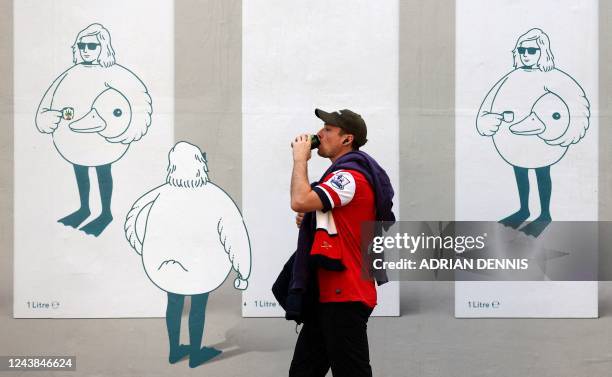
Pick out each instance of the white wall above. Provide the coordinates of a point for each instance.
(85, 276)
(486, 33)
(298, 56)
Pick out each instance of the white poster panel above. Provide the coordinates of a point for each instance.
(526, 137)
(298, 56)
(94, 109)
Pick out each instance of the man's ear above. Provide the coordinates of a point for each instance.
(348, 139)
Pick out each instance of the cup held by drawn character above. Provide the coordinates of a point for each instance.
(68, 113)
(508, 116)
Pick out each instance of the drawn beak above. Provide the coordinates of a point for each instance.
(532, 125)
(89, 123)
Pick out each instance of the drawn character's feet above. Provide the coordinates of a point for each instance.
(178, 353)
(205, 354)
(516, 219)
(537, 226)
(97, 226)
(76, 218)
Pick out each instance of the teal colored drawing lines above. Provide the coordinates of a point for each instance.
(93, 111)
(190, 235)
(533, 115)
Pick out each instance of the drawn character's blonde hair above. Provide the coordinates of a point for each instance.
(547, 60)
(107, 54)
(187, 166)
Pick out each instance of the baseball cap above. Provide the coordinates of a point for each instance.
(349, 121)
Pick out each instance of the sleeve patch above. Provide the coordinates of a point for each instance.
(340, 187)
(340, 181)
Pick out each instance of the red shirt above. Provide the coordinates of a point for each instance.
(348, 201)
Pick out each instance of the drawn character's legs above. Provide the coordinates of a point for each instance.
(522, 183)
(105, 183)
(174, 311)
(545, 191)
(197, 316)
(77, 217)
(537, 226)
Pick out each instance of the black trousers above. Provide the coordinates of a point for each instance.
(336, 337)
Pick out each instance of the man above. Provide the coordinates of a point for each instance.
(353, 190)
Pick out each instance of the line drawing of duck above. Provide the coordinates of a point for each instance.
(190, 235)
(94, 110)
(533, 115)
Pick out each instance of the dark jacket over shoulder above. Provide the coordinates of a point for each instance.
(296, 288)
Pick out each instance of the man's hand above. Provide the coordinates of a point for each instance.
(298, 218)
(301, 148)
(303, 198)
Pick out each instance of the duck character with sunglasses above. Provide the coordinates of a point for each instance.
(94, 111)
(533, 115)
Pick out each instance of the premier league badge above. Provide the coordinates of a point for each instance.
(339, 181)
